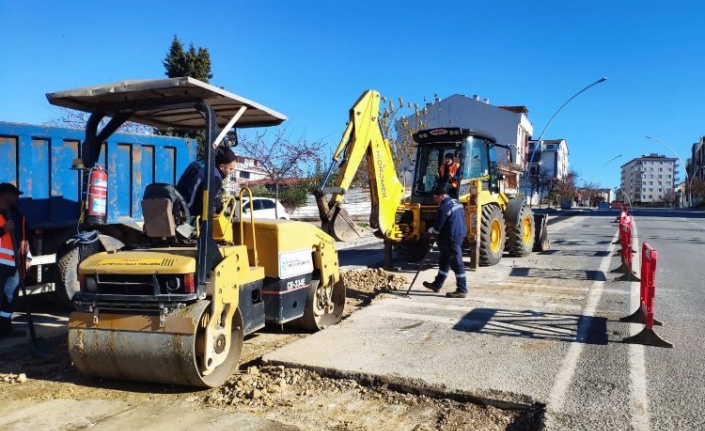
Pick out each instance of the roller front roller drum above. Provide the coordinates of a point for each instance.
(135, 347)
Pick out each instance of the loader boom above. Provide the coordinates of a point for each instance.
(363, 138)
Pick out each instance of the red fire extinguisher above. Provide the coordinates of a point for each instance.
(96, 205)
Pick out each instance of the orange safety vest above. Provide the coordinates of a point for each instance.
(7, 251)
(453, 169)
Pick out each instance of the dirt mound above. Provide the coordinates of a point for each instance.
(373, 280)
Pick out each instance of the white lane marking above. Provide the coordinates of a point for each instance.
(558, 393)
(639, 400)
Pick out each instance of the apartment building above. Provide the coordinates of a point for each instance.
(649, 180)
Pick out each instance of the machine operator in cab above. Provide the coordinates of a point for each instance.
(447, 175)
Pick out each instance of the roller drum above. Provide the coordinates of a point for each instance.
(151, 354)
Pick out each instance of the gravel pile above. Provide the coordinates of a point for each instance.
(374, 280)
(276, 385)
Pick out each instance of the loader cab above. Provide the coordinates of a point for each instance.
(471, 151)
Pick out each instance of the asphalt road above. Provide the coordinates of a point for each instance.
(540, 330)
(675, 383)
(545, 330)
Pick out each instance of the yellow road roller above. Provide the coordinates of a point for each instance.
(174, 308)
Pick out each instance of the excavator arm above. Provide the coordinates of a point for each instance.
(362, 138)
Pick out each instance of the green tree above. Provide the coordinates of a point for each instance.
(195, 63)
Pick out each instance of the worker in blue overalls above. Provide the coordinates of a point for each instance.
(451, 231)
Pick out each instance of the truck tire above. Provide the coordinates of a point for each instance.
(66, 277)
(520, 229)
(413, 251)
(492, 235)
(68, 257)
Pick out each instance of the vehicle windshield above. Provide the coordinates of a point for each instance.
(472, 158)
(476, 163)
(430, 158)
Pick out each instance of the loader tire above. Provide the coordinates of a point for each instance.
(520, 229)
(413, 251)
(492, 235)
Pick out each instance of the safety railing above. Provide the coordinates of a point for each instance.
(645, 313)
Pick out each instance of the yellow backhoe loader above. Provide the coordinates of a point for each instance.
(495, 222)
(175, 308)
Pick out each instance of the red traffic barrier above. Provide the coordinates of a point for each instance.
(645, 313)
(625, 239)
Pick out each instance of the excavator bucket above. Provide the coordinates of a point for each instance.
(541, 241)
(335, 221)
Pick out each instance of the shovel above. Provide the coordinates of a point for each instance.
(430, 247)
(37, 344)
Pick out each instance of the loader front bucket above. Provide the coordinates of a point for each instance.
(541, 241)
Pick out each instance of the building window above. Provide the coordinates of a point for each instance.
(244, 175)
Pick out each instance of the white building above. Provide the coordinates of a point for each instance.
(551, 157)
(509, 125)
(551, 162)
(247, 169)
(650, 180)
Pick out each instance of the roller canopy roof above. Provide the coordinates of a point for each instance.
(166, 103)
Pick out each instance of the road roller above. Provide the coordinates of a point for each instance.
(175, 307)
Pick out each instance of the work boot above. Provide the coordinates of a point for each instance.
(6, 330)
(432, 286)
(456, 294)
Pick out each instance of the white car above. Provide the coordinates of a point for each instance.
(264, 208)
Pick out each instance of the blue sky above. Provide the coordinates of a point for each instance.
(311, 60)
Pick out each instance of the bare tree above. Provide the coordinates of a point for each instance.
(543, 183)
(72, 119)
(590, 192)
(698, 189)
(398, 132)
(565, 188)
(279, 157)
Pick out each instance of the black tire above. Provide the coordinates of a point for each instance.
(492, 235)
(412, 251)
(520, 229)
(68, 257)
(324, 306)
(66, 278)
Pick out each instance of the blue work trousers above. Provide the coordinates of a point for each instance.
(451, 258)
(9, 282)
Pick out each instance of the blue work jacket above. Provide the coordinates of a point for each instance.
(450, 221)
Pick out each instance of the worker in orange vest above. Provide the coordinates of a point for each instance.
(447, 175)
(12, 227)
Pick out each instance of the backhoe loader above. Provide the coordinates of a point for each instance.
(495, 222)
(175, 308)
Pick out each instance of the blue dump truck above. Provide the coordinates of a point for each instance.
(44, 162)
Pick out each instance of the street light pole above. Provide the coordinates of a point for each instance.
(685, 169)
(624, 192)
(539, 140)
(598, 171)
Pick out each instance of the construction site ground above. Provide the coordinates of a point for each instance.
(394, 363)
